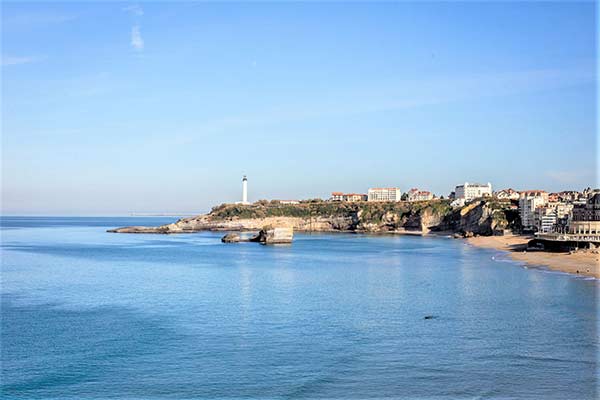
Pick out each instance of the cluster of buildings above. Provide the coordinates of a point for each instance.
(540, 211)
(384, 194)
(562, 213)
(462, 194)
(568, 212)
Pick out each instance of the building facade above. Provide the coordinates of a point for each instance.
(529, 201)
(586, 217)
(384, 194)
(339, 196)
(469, 191)
(415, 194)
(507, 194)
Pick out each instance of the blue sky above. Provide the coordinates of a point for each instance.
(111, 108)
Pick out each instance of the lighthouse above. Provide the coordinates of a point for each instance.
(244, 190)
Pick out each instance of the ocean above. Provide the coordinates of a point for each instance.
(87, 314)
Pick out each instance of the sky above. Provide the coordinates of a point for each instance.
(113, 108)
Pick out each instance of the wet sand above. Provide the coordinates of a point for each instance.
(583, 262)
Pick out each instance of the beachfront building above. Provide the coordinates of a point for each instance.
(552, 217)
(384, 194)
(507, 194)
(339, 196)
(469, 191)
(586, 217)
(415, 194)
(529, 201)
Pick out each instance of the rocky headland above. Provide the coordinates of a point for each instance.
(483, 217)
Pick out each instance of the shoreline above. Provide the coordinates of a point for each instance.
(583, 262)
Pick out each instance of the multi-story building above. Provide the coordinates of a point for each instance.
(384, 194)
(567, 196)
(529, 201)
(339, 196)
(470, 191)
(415, 194)
(507, 194)
(586, 217)
(551, 217)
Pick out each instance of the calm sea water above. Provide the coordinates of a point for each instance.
(92, 315)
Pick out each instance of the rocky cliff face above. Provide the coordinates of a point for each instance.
(481, 217)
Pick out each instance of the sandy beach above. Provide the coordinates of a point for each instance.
(583, 262)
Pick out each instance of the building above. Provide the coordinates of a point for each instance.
(289, 201)
(529, 201)
(552, 217)
(415, 194)
(384, 194)
(567, 196)
(470, 191)
(355, 197)
(586, 217)
(339, 196)
(507, 194)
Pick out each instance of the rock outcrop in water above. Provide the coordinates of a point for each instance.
(231, 238)
(482, 217)
(267, 235)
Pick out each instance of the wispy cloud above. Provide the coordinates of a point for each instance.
(136, 38)
(407, 94)
(27, 21)
(134, 9)
(12, 60)
(137, 42)
(572, 177)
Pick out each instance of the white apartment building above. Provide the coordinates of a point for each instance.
(384, 194)
(546, 217)
(529, 201)
(469, 191)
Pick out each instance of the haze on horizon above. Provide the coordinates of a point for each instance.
(111, 108)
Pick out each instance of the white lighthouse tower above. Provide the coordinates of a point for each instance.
(244, 190)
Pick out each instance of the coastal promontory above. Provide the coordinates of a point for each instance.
(481, 217)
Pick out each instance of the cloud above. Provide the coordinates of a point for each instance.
(137, 42)
(136, 38)
(134, 9)
(12, 60)
(27, 21)
(572, 177)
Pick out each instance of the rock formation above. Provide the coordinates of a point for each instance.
(482, 217)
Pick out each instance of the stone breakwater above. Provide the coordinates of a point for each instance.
(483, 217)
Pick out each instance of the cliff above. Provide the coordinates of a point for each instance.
(483, 217)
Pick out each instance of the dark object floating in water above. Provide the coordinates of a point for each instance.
(430, 317)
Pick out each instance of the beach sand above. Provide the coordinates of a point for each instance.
(583, 262)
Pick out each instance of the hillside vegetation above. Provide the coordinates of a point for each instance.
(483, 216)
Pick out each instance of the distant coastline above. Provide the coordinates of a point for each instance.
(484, 223)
